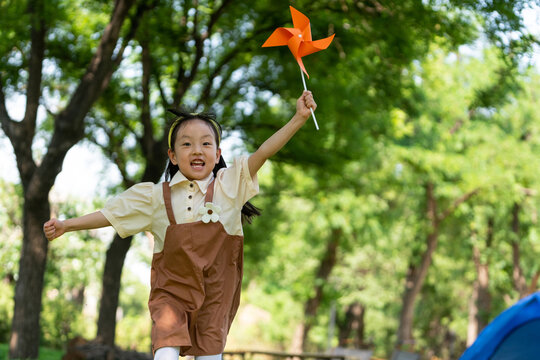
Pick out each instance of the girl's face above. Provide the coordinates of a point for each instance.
(195, 149)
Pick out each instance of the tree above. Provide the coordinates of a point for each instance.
(507, 206)
(442, 134)
(401, 91)
(52, 35)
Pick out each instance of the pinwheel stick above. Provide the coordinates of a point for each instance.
(312, 113)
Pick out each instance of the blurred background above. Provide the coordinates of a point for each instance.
(408, 221)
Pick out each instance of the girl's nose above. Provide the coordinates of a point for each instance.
(196, 149)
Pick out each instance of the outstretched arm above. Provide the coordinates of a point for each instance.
(275, 142)
(55, 228)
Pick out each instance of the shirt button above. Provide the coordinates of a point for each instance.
(190, 196)
(189, 208)
(191, 185)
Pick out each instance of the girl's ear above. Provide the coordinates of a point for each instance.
(218, 155)
(172, 157)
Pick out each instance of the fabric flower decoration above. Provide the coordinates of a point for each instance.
(209, 212)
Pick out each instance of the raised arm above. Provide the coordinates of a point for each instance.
(275, 142)
(55, 228)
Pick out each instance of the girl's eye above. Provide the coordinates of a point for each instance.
(207, 143)
(186, 144)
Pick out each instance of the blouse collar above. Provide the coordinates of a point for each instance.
(179, 178)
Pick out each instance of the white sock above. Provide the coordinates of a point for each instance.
(167, 353)
(209, 357)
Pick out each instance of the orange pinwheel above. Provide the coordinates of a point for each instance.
(298, 38)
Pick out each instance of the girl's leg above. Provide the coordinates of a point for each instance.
(167, 353)
(209, 357)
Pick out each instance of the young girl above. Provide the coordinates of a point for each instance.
(196, 219)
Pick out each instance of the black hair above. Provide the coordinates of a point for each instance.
(249, 211)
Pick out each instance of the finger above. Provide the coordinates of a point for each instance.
(49, 223)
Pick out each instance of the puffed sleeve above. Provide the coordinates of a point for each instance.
(236, 182)
(131, 211)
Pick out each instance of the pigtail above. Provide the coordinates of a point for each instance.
(249, 211)
(170, 170)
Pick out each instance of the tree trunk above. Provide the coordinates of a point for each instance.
(413, 284)
(520, 284)
(38, 180)
(417, 274)
(110, 290)
(480, 302)
(484, 296)
(310, 309)
(351, 332)
(472, 325)
(24, 341)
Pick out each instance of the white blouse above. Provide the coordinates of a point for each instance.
(142, 208)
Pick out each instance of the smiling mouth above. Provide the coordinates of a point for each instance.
(197, 163)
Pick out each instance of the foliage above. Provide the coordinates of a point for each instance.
(6, 310)
(44, 353)
(133, 329)
(70, 291)
(410, 92)
(10, 216)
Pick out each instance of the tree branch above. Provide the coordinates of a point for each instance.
(21, 134)
(37, 52)
(534, 282)
(231, 55)
(456, 203)
(135, 22)
(163, 96)
(69, 124)
(184, 82)
(5, 120)
(431, 204)
(147, 139)
(217, 14)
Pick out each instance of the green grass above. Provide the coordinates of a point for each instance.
(44, 353)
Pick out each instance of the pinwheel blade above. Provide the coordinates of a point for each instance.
(301, 22)
(279, 37)
(294, 43)
(301, 64)
(307, 48)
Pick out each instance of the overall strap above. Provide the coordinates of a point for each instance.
(210, 191)
(168, 205)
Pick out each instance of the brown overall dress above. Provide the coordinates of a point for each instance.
(195, 284)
